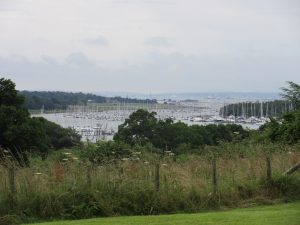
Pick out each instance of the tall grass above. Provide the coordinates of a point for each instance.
(74, 188)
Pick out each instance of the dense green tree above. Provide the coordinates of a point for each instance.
(105, 152)
(173, 134)
(287, 128)
(139, 128)
(199, 136)
(19, 133)
(290, 127)
(56, 136)
(142, 127)
(159, 139)
(13, 120)
(8, 94)
(292, 93)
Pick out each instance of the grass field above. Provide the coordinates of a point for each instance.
(76, 190)
(283, 214)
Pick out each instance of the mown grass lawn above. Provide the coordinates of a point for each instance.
(283, 214)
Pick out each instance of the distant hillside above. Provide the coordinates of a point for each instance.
(226, 96)
(60, 100)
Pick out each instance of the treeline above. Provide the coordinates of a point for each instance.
(50, 100)
(142, 127)
(257, 109)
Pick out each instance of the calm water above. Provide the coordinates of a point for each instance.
(87, 120)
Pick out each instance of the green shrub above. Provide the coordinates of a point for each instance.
(281, 185)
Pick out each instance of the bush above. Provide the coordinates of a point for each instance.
(105, 151)
(10, 220)
(281, 185)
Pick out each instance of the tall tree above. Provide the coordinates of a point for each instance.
(292, 93)
(139, 128)
(13, 118)
(20, 133)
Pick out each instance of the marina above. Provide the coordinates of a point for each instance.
(100, 121)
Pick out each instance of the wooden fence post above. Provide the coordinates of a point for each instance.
(11, 179)
(157, 177)
(58, 172)
(89, 176)
(269, 167)
(214, 175)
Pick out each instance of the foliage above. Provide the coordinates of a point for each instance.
(57, 136)
(139, 128)
(105, 152)
(9, 220)
(283, 185)
(287, 130)
(142, 127)
(14, 120)
(20, 133)
(292, 93)
(113, 186)
(290, 127)
(8, 93)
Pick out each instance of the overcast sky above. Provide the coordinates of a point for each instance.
(150, 45)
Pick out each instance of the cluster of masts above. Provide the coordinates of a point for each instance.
(100, 121)
(230, 119)
(96, 133)
(258, 110)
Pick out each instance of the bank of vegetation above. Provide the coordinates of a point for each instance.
(151, 167)
(109, 179)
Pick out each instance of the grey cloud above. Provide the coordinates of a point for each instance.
(48, 59)
(251, 45)
(100, 41)
(79, 59)
(158, 42)
(49, 74)
(167, 72)
(158, 73)
(137, 1)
